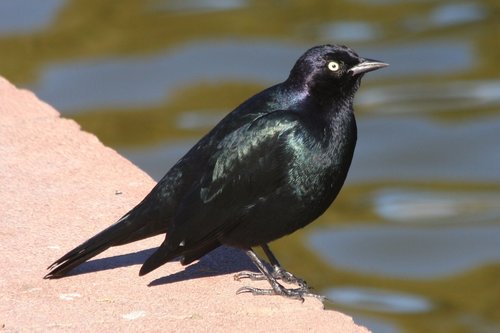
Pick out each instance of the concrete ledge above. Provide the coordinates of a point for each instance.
(59, 186)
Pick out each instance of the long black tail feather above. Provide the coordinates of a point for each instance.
(126, 230)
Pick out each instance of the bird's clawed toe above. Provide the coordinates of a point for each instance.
(283, 275)
(293, 293)
(249, 275)
(278, 273)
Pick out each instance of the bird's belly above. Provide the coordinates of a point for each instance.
(312, 183)
(280, 214)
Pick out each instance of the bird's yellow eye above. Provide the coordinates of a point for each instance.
(333, 66)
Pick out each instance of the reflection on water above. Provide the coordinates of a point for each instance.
(411, 244)
(447, 15)
(128, 82)
(198, 6)
(420, 149)
(436, 57)
(433, 97)
(155, 160)
(350, 31)
(422, 252)
(193, 120)
(378, 300)
(457, 13)
(22, 17)
(399, 205)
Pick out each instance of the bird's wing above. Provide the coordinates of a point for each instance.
(248, 165)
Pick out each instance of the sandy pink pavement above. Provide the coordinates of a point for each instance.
(59, 186)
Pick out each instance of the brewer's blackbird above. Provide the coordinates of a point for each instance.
(270, 167)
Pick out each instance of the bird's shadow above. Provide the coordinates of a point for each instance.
(224, 260)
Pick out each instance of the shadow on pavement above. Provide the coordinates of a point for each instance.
(224, 260)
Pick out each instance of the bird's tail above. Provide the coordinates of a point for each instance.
(163, 255)
(125, 230)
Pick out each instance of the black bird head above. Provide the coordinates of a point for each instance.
(331, 71)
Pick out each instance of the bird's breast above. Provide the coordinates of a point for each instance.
(318, 169)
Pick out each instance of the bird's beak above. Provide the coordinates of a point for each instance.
(367, 65)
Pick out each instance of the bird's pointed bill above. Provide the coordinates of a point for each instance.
(367, 65)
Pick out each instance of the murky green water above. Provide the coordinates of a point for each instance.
(413, 242)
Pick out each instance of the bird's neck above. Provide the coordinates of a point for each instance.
(327, 118)
(322, 98)
(329, 107)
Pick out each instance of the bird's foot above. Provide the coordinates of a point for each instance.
(249, 275)
(278, 289)
(272, 277)
(278, 273)
(288, 277)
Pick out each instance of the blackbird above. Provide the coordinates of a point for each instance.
(271, 166)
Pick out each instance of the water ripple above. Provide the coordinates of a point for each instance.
(401, 205)
(378, 300)
(147, 81)
(406, 252)
(22, 17)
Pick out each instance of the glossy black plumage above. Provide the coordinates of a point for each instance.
(270, 167)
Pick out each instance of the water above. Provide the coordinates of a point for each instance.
(412, 242)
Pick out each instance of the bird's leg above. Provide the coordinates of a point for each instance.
(277, 289)
(278, 272)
